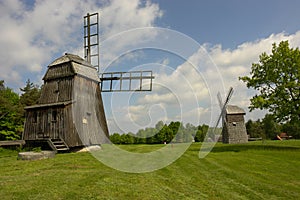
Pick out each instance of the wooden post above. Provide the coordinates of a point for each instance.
(88, 38)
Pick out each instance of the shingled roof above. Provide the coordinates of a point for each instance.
(70, 65)
(68, 58)
(233, 110)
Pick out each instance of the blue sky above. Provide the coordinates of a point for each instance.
(230, 22)
(197, 49)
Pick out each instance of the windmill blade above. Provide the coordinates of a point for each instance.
(218, 121)
(223, 107)
(220, 100)
(229, 95)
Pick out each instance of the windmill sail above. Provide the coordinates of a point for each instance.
(111, 81)
(223, 106)
(126, 81)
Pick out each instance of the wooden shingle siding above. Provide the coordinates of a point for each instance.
(234, 129)
(59, 71)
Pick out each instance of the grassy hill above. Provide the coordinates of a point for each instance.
(256, 170)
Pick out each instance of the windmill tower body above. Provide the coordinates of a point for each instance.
(234, 129)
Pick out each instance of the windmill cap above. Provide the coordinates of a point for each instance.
(233, 109)
(67, 57)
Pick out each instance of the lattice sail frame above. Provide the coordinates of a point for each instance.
(126, 81)
(91, 39)
(111, 81)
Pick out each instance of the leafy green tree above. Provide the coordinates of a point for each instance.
(276, 78)
(271, 128)
(250, 127)
(115, 138)
(201, 133)
(174, 126)
(129, 138)
(11, 119)
(2, 87)
(255, 129)
(141, 137)
(159, 125)
(150, 133)
(292, 128)
(199, 137)
(160, 137)
(31, 94)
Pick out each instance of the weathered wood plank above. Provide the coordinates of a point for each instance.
(12, 143)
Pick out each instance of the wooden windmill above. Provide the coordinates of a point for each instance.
(234, 130)
(70, 111)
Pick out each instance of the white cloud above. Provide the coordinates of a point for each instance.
(120, 15)
(34, 35)
(189, 81)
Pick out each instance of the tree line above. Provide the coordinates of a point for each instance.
(269, 128)
(266, 128)
(163, 133)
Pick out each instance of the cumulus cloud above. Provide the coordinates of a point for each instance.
(196, 80)
(32, 35)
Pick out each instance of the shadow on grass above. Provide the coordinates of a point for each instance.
(238, 148)
(248, 147)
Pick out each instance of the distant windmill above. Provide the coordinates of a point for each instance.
(234, 130)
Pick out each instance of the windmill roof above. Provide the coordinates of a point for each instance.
(232, 109)
(70, 65)
(68, 58)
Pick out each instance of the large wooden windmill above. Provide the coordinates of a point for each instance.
(70, 112)
(234, 130)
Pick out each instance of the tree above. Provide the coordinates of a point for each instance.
(276, 78)
(31, 94)
(150, 133)
(11, 118)
(292, 129)
(271, 128)
(255, 129)
(174, 126)
(115, 138)
(250, 127)
(163, 135)
(201, 133)
(159, 125)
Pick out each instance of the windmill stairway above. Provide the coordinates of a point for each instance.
(58, 145)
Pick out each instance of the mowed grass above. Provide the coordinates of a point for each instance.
(257, 170)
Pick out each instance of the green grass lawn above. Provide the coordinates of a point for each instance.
(269, 170)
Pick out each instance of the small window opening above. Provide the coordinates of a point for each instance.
(35, 116)
(54, 115)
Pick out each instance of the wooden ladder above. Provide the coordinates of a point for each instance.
(58, 145)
